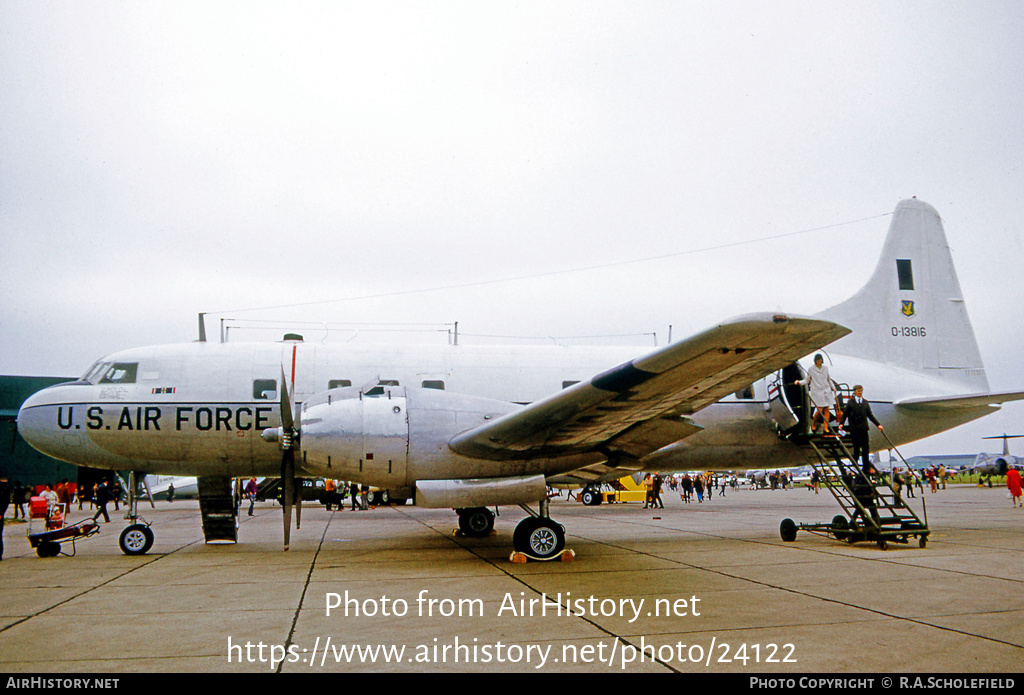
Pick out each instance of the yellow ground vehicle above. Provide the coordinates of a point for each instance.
(624, 489)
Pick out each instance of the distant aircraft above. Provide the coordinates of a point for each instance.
(185, 487)
(471, 427)
(996, 464)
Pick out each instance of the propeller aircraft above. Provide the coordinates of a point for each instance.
(472, 427)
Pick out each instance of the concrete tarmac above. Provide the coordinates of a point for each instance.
(694, 588)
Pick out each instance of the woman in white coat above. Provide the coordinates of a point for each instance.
(822, 392)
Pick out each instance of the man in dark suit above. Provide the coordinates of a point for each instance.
(5, 500)
(858, 413)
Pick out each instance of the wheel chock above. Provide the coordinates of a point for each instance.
(520, 558)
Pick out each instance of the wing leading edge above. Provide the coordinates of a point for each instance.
(642, 405)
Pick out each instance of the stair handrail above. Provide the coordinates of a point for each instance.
(892, 447)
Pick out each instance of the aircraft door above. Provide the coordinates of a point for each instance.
(789, 405)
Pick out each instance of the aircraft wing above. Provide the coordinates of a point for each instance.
(944, 403)
(642, 405)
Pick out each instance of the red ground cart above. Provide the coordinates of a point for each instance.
(54, 531)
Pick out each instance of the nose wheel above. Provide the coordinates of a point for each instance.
(136, 539)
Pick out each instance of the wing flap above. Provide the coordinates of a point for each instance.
(650, 435)
(640, 406)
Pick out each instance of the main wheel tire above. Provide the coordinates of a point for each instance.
(787, 529)
(136, 539)
(539, 537)
(477, 522)
(590, 497)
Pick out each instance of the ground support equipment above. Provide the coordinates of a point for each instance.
(219, 510)
(47, 541)
(872, 511)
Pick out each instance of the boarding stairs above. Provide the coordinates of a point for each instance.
(872, 510)
(219, 510)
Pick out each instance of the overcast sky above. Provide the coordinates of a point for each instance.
(162, 159)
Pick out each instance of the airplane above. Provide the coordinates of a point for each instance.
(473, 427)
(995, 464)
(185, 487)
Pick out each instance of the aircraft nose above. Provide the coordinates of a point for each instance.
(39, 422)
(30, 423)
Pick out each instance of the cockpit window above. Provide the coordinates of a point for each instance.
(96, 372)
(120, 373)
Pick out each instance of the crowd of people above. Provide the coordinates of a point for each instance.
(64, 494)
(700, 485)
(334, 495)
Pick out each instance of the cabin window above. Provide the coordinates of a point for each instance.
(905, 273)
(264, 389)
(120, 373)
(339, 383)
(433, 384)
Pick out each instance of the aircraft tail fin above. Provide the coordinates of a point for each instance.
(911, 313)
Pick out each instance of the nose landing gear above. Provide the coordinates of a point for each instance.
(137, 537)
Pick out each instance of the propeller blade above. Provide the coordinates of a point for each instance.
(289, 438)
(287, 406)
(288, 491)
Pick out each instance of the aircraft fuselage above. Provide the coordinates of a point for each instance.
(200, 409)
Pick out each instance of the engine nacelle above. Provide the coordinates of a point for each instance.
(480, 492)
(394, 439)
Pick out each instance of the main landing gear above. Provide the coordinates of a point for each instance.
(476, 522)
(538, 536)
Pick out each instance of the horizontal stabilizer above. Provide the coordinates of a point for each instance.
(947, 403)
